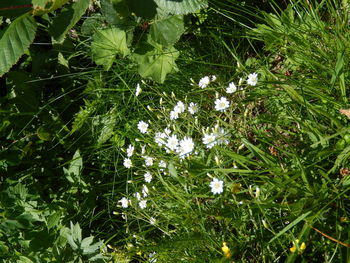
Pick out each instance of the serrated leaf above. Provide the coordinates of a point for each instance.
(75, 166)
(69, 16)
(53, 220)
(76, 232)
(167, 31)
(183, 7)
(41, 7)
(86, 242)
(107, 44)
(157, 62)
(15, 41)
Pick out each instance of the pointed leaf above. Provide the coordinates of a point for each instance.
(15, 41)
(107, 44)
(183, 7)
(69, 16)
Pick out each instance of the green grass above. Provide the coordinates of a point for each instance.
(282, 154)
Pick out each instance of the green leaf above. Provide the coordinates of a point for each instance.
(53, 220)
(76, 232)
(181, 7)
(75, 168)
(107, 44)
(115, 11)
(15, 41)
(41, 7)
(167, 31)
(157, 62)
(69, 16)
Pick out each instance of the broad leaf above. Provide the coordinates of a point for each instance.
(107, 44)
(167, 31)
(183, 7)
(69, 16)
(115, 11)
(157, 62)
(15, 41)
(41, 7)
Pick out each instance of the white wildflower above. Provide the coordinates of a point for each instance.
(148, 177)
(143, 149)
(145, 190)
(180, 107)
(124, 202)
(167, 131)
(162, 164)
(252, 79)
(138, 89)
(217, 186)
(213, 78)
(148, 160)
(172, 142)
(127, 163)
(193, 108)
(186, 146)
(130, 150)
(204, 82)
(174, 115)
(143, 204)
(142, 126)
(209, 139)
(159, 138)
(231, 88)
(137, 196)
(221, 104)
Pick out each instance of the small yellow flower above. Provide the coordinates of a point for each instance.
(226, 250)
(296, 247)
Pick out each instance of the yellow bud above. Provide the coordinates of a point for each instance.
(302, 246)
(226, 250)
(293, 249)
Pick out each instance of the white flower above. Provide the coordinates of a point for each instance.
(231, 88)
(167, 131)
(172, 142)
(142, 126)
(148, 160)
(124, 202)
(162, 164)
(180, 107)
(221, 135)
(152, 258)
(193, 108)
(217, 186)
(209, 140)
(174, 115)
(138, 89)
(213, 77)
(252, 79)
(143, 149)
(204, 82)
(159, 138)
(145, 190)
(130, 150)
(148, 177)
(138, 196)
(143, 204)
(127, 163)
(186, 146)
(152, 220)
(221, 104)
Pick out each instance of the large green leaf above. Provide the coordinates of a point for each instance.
(107, 44)
(167, 31)
(41, 7)
(157, 62)
(15, 41)
(69, 16)
(179, 7)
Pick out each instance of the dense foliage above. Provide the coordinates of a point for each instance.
(174, 131)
